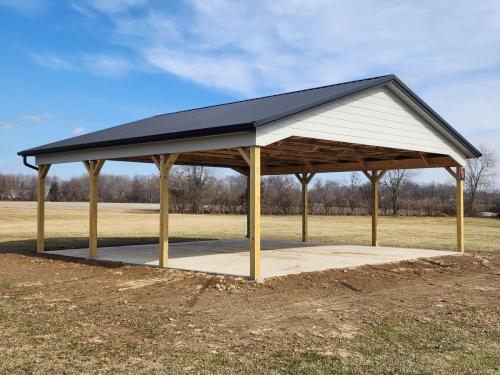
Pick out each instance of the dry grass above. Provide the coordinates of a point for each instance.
(129, 223)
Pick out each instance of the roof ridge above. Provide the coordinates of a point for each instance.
(273, 95)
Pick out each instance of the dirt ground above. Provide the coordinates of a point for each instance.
(426, 316)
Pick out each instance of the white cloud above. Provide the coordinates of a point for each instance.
(78, 131)
(26, 7)
(115, 6)
(36, 119)
(107, 66)
(96, 64)
(52, 61)
(6, 126)
(265, 46)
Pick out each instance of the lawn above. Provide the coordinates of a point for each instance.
(67, 226)
(436, 316)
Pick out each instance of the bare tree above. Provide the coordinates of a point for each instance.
(480, 175)
(197, 179)
(394, 182)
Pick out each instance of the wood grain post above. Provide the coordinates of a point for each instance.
(255, 212)
(304, 180)
(93, 168)
(164, 163)
(40, 228)
(460, 208)
(305, 202)
(247, 200)
(374, 182)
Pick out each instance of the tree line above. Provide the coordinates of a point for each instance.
(200, 190)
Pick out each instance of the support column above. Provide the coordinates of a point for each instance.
(255, 212)
(304, 180)
(459, 175)
(164, 164)
(460, 208)
(40, 228)
(375, 176)
(247, 200)
(93, 168)
(374, 182)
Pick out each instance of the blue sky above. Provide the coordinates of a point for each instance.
(70, 67)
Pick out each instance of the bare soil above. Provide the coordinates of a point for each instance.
(439, 315)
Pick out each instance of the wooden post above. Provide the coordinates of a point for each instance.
(255, 212)
(374, 182)
(304, 180)
(93, 168)
(164, 163)
(304, 207)
(460, 208)
(459, 176)
(247, 200)
(40, 228)
(374, 178)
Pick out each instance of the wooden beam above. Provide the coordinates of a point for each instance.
(255, 212)
(165, 164)
(87, 166)
(156, 160)
(381, 174)
(460, 209)
(240, 170)
(362, 162)
(244, 155)
(451, 172)
(299, 177)
(374, 182)
(441, 161)
(424, 158)
(310, 177)
(40, 228)
(367, 174)
(93, 168)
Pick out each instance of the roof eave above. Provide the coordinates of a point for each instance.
(234, 128)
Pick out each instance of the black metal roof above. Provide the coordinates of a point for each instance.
(245, 115)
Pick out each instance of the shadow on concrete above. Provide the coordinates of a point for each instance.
(28, 247)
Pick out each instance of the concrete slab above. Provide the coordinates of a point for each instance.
(278, 258)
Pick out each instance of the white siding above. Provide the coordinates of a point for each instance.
(374, 118)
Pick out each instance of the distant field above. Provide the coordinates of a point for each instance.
(67, 225)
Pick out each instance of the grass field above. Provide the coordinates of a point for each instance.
(435, 316)
(67, 226)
